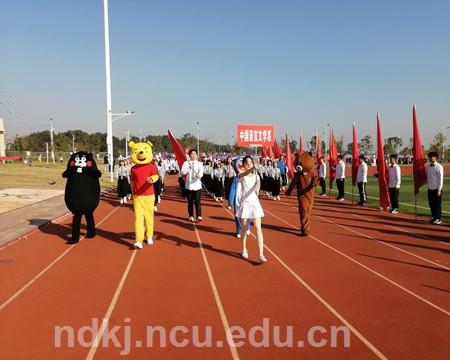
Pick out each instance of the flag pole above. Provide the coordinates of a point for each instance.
(415, 206)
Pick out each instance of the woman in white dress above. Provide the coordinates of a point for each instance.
(249, 206)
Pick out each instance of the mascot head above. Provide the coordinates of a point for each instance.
(304, 162)
(141, 153)
(81, 162)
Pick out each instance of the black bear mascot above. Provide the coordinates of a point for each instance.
(82, 193)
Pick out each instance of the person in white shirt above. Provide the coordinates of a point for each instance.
(361, 180)
(435, 180)
(322, 176)
(395, 177)
(193, 170)
(340, 178)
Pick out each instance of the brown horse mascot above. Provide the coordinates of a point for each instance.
(305, 179)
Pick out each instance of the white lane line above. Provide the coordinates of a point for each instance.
(223, 316)
(361, 337)
(370, 237)
(382, 242)
(48, 267)
(397, 228)
(392, 282)
(111, 307)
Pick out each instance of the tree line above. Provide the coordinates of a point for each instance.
(96, 143)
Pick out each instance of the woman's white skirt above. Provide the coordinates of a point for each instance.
(250, 211)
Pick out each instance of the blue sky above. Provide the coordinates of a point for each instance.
(295, 64)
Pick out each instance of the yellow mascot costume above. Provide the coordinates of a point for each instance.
(143, 175)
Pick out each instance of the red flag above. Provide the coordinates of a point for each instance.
(177, 149)
(271, 152)
(277, 150)
(420, 175)
(381, 168)
(301, 143)
(333, 158)
(355, 156)
(319, 150)
(263, 152)
(289, 162)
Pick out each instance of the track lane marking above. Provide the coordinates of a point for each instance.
(392, 282)
(48, 267)
(328, 306)
(223, 317)
(112, 305)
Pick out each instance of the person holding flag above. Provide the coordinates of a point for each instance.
(394, 181)
(435, 181)
(340, 178)
(322, 176)
(361, 180)
(193, 170)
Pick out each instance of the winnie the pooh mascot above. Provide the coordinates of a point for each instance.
(305, 179)
(143, 175)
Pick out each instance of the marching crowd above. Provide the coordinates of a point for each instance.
(239, 181)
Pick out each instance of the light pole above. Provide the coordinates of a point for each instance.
(118, 116)
(109, 140)
(127, 139)
(443, 143)
(327, 140)
(73, 142)
(51, 140)
(198, 138)
(46, 151)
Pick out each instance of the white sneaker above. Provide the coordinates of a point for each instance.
(278, 197)
(149, 241)
(121, 201)
(155, 209)
(395, 211)
(238, 236)
(159, 199)
(262, 259)
(199, 219)
(437, 222)
(138, 245)
(244, 254)
(125, 201)
(341, 199)
(229, 207)
(191, 218)
(248, 232)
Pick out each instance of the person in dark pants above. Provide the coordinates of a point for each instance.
(394, 181)
(340, 178)
(361, 180)
(435, 180)
(322, 176)
(193, 170)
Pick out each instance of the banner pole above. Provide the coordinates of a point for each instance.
(415, 206)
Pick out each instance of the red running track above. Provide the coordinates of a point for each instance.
(384, 278)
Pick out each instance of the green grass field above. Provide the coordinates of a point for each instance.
(39, 176)
(406, 196)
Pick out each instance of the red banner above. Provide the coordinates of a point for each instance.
(255, 135)
(420, 175)
(381, 167)
(355, 156)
